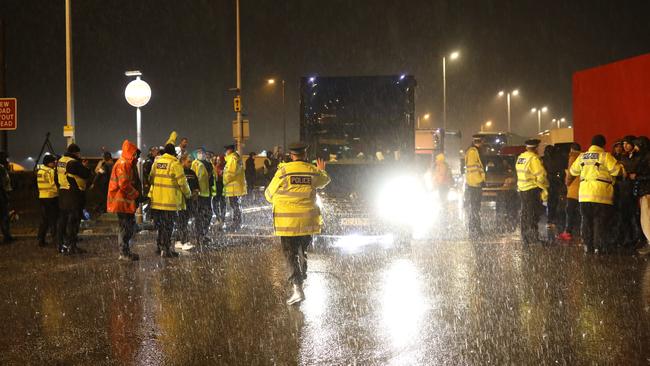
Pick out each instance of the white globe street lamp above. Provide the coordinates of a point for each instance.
(137, 94)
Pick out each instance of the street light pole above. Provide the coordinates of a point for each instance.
(240, 127)
(284, 120)
(68, 76)
(509, 95)
(539, 117)
(444, 93)
(509, 125)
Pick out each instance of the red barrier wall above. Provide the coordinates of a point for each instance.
(613, 100)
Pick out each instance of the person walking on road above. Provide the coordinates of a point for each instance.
(203, 170)
(597, 170)
(168, 188)
(48, 197)
(250, 173)
(123, 198)
(189, 209)
(72, 175)
(474, 178)
(234, 182)
(296, 217)
(218, 199)
(532, 185)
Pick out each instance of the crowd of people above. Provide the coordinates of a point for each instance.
(607, 193)
(184, 193)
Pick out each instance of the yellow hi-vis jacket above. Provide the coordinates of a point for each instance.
(63, 175)
(203, 177)
(168, 184)
(596, 169)
(46, 184)
(474, 172)
(292, 192)
(531, 173)
(234, 180)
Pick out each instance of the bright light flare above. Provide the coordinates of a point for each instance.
(488, 124)
(502, 93)
(454, 55)
(270, 81)
(515, 92)
(534, 110)
(414, 207)
(544, 109)
(427, 116)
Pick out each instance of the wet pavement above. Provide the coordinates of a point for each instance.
(439, 300)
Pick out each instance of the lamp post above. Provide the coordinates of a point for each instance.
(508, 96)
(453, 56)
(539, 112)
(137, 94)
(240, 125)
(487, 125)
(284, 114)
(69, 97)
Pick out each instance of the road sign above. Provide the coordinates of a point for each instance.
(8, 113)
(235, 129)
(68, 131)
(237, 103)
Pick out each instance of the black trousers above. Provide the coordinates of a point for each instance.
(572, 215)
(235, 204)
(553, 201)
(203, 218)
(68, 228)
(49, 217)
(4, 217)
(293, 248)
(531, 204)
(164, 221)
(473, 196)
(127, 229)
(595, 224)
(219, 207)
(182, 226)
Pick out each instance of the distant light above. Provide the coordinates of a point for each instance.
(30, 158)
(488, 124)
(270, 81)
(427, 116)
(570, 126)
(534, 110)
(454, 55)
(402, 77)
(544, 109)
(562, 119)
(515, 92)
(312, 79)
(553, 120)
(501, 93)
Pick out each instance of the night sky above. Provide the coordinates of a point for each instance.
(186, 51)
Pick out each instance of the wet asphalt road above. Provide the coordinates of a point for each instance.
(440, 300)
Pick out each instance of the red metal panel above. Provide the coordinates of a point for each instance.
(613, 100)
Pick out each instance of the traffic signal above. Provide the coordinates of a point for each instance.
(237, 104)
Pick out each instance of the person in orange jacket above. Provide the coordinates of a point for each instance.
(123, 197)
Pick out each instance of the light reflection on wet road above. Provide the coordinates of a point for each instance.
(433, 302)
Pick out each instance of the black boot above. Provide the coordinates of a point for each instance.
(127, 255)
(169, 253)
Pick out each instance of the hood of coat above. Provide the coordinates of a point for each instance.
(128, 150)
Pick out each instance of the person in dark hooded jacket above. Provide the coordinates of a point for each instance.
(641, 180)
(73, 175)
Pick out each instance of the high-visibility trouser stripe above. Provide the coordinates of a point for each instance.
(42, 181)
(308, 214)
(164, 185)
(473, 170)
(299, 173)
(294, 194)
(474, 166)
(297, 229)
(166, 205)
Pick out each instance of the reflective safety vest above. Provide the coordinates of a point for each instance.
(474, 172)
(63, 175)
(234, 179)
(293, 195)
(46, 185)
(204, 178)
(168, 184)
(596, 169)
(531, 173)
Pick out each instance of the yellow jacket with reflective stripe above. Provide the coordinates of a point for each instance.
(474, 172)
(234, 180)
(63, 175)
(531, 173)
(292, 192)
(168, 184)
(596, 169)
(46, 184)
(203, 177)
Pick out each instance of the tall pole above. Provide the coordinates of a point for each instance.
(508, 99)
(138, 127)
(444, 93)
(284, 120)
(240, 132)
(68, 75)
(4, 143)
(539, 120)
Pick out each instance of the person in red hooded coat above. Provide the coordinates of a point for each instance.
(123, 196)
